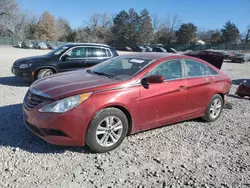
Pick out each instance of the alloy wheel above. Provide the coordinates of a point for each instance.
(109, 131)
(215, 108)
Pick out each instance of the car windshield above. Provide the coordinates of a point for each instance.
(121, 68)
(58, 50)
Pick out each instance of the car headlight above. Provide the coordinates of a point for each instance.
(65, 104)
(24, 66)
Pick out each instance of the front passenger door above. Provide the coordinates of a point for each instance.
(164, 102)
(75, 59)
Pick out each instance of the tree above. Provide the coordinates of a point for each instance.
(216, 37)
(146, 33)
(63, 30)
(230, 33)
(31, 30)
(186, 33)
(7, 7)
(7, 10)
(133, 27)
(166, 32)
(120, 28)
(46, 27)
(246, 37)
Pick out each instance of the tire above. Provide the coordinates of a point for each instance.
(103, 140)
(213, 112)
(43, 73)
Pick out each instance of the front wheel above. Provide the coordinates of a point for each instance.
(44, 72)
(214, 109)
(107, 130)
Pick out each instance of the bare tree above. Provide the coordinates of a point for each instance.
(7, 7)
(156, 22)
(166, 32)
(246, 36)
(94, 20)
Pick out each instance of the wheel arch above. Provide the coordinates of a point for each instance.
(127, 114)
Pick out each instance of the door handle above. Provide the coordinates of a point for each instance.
(181, 88)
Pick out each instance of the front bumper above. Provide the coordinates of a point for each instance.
(66, 129)
(26, 74)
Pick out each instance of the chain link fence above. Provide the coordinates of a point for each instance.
(229, 47)
(14, 41)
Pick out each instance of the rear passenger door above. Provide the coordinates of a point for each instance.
(200, 83)
(96, 55)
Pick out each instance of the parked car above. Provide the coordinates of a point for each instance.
(65, 58)
(241, 58)
(27, 44)
(170, 49)
(99, 106)
(148, 49)
(42, 46)
(159, 49)
(230, 55)
(124, 48)
(18, 44)
(139, 49)
(51, 46)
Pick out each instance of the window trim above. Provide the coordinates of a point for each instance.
(186, 73)
(60, 58)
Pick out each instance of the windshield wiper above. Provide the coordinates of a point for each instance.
(103, 74)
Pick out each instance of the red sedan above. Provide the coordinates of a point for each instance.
(99, 106)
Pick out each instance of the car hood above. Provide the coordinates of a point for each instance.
(31, 59)
(71, 83)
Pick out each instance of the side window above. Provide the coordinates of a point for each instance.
(78, 52)
(170, 70)
(96, 52)
(213, 71)
(195, 68)
(104, 54)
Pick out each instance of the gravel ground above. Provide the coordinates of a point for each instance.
(188, 154)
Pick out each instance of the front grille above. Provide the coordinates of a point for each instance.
(32, 100)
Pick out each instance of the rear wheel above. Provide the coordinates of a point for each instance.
(107, 130)
(214, 109)
(44, 72)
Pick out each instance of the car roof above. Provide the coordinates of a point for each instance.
(89, 44)
(150, 55)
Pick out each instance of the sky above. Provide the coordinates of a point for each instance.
(205, 14)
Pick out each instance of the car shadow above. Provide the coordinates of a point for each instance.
(239, 81)
(14, 134)
(237, 97)
(14, 81)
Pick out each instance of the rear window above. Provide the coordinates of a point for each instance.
(96, 52)
(108, 53)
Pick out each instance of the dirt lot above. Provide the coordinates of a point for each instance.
(188, 154)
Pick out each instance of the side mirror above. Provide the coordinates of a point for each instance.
(153, 79)
(65, 57)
